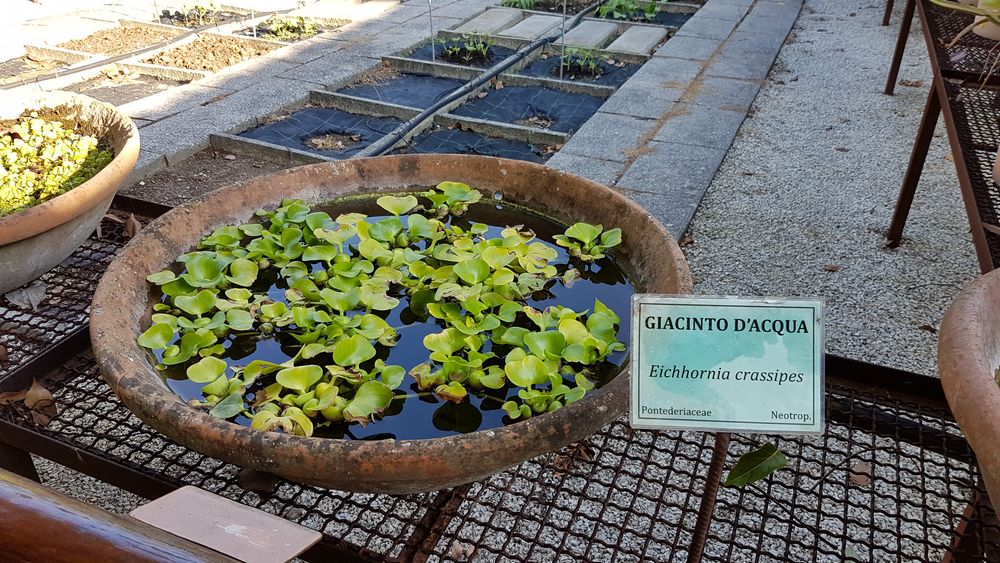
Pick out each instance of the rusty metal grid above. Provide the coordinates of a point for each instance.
(976, 113)
(621, 495)
(971, 55)
(638, 499)
(66, 308)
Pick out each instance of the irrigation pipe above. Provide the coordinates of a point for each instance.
(386, 143)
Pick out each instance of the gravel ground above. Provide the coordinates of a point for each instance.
(802, 202)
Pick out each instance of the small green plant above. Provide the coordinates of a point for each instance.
(284, 28)
(628, 10)
(520, 4)
(471, 48)
(343, 276)
(40, 159)
(587, 242)
(580, 61)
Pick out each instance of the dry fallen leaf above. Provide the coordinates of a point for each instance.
(861, 474)
(29, 296)
(230, 157)
(841, 149)
(928, 327)
(11, 397)
(686, 240)
(4, 357)
(911, 83)
(831, 268)
(482, 95)
(41, 402)
(132, 226)
(949, 157)
(461, 551)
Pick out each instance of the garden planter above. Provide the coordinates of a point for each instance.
(969, 355)
(34, 240)
(987, 30)
(123, 302)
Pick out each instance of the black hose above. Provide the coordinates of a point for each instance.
(386, 143)
(111, 60)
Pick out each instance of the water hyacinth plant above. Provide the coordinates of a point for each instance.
(328, 283)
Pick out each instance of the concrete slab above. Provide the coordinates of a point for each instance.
(601, 171)
(638, 39)
(174, 100)
(724, 93)
(531, 27)
(724, 11)
(609, 136)
(591, 34)
(701, 126)
(491, 21)
(709, 28)
(684, 47)
(746, 55)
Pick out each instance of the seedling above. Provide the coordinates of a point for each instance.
(472, 48)
(628, 10)
(581, 62)
(520, 4)
(284, 28)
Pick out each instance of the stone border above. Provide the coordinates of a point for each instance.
(662, 136)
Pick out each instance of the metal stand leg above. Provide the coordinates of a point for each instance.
(978, 522)
(917, 157)
(17, 461)
(904, 34)
(707, 506)
(888, 12)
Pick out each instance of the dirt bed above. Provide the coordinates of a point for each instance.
(201, 173)
(121, 40)
(23, 69)
(211, 53)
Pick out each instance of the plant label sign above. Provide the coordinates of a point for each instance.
(727, 364)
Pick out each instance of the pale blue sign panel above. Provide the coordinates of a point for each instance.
(727, 364)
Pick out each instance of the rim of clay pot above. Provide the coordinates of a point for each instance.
(91, 117)
(123, 301)
(968, 358)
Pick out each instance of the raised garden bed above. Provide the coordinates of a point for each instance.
(291, 29)
(533, 106)
(493, 54)
(24, 69)
(118, 85)
(212, 53)
(329, 132)
(610, 71)
(123, 39)
(457, 141)
(405, 89)
(200, 16)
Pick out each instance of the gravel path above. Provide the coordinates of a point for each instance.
(802, 202)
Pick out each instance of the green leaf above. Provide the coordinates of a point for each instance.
(420, 227)
(156, 337)
(548, 345)
(206, 370)
(611, 238)
(584, 232)
(473, 271)
(352, 351)
(756, 465)
(372, 397)
(446, 342)
(203, 270)
(321, 252)
(393, 376)
(512, 409)
(196, 305)
(161, 278)
(242, 272)
(454, 392)
(397, 205)
(299, 378)
(574, 331)
(238, 319)
(527, 371)
(219, 387)
(228, 407)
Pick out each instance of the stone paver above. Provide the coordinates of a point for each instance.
(590, 34)
(685, 47)
(596, 169)
(638, 39)
(532, 27)
(709, 28)
(746, 55)
(491, 21)
(609, 136)
(701, 126)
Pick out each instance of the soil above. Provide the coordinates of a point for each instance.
(23, 69)
(333, 141)
(556, 6)
(381, 73)
(211, 53)
(192, 19)
(121, 40)
(117, 86)
(201, 173)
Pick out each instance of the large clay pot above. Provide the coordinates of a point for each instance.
(968, 359)
(36, 239)
(123, 302)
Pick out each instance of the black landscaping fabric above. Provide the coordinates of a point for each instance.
(670, 19)
(512, 104)
(410, 90)
(299, 127)
(549, 68)
(497, 54)
(455, 141)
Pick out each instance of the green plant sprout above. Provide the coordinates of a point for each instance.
(286, 28)
(628, 9)
(340, 274)
(581, 60)
(520, 4)
(472, 47)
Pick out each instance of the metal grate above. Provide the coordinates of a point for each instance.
(972, 55)
(69, 287)
(621, 495)
(976, 113)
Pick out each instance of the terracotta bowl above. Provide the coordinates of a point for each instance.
(968, 359)
(36, 239)
(123, 304)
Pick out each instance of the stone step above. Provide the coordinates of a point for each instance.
(638, 39)
(532, 27)
(590, 34)
(491, 21)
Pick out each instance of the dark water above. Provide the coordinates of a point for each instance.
(420, 417)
